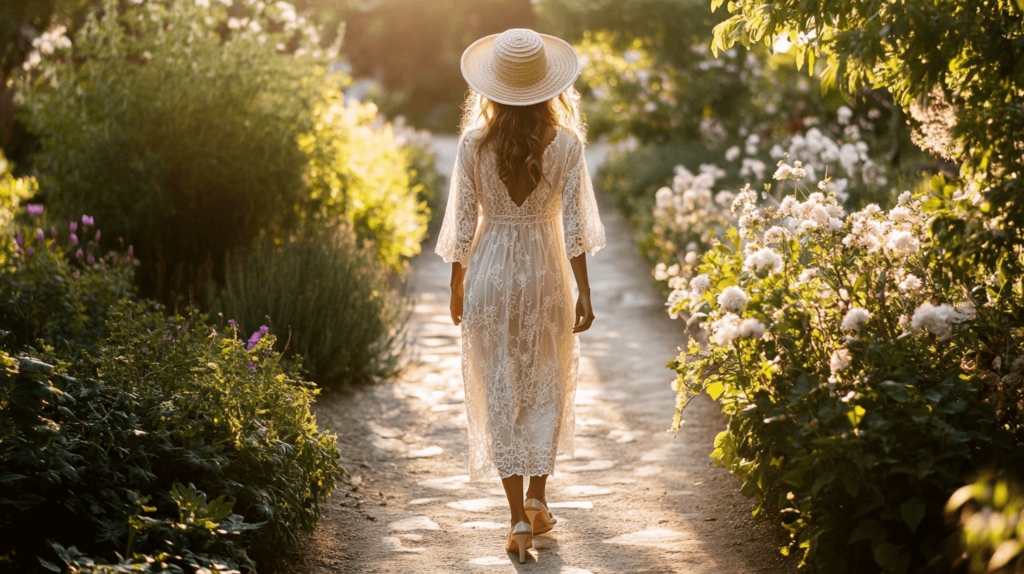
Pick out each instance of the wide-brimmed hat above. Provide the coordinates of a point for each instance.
(520, 67)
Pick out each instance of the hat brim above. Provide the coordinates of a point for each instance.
(563, 69)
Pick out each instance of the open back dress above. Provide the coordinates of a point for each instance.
(519, 355)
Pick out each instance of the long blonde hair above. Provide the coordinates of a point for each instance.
(515, 133)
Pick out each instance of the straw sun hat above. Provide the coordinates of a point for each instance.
(520, 67)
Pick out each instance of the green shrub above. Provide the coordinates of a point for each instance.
(358, 173)
(326, 299)
(108, 409)
(56, 294)
(847, 359)
(193, 136)
(990, 515)
(93, 457)
(184, 144)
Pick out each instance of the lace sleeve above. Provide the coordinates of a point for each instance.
(461, 214)
(584, 232)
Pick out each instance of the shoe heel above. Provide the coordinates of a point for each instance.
(530, 515)
(522, 540)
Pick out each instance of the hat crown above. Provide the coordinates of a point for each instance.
(518, 57)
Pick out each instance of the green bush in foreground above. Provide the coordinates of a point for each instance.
(129, 437)
(328, 301)
(98, 460)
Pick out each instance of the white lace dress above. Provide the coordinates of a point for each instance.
(519, 354)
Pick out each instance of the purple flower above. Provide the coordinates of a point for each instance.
(73, 226)
(30, 251)
(131, 251)
(252, 366)
(79, 254)
(255, 339)
(34, 209)
(144, 351)
(53, 231)
(104, 269)
(97, 235)
(233, 323)
(74, 239)
(19, 239)
(87, 221)
(127, 259)
(40, 236)
(91, 259)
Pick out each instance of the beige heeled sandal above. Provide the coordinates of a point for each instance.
(520, 537)
(540, 519)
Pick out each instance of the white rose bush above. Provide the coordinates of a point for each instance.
(841, 350)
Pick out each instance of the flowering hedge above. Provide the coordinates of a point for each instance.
(841, 351)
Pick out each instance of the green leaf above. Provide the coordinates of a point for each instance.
(889, 557)
(913, 512)
(868, 529)
(714, 390)
(856, 414)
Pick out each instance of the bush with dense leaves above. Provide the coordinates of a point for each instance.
(990, 516)
(193, 134)
(328, 301)
(131, 438)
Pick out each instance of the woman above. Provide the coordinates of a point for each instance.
(521, 212)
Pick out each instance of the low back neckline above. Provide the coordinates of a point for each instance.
(544, 166)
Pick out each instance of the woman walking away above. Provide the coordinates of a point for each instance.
(521, 212)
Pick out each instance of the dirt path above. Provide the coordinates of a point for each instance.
(635, 499)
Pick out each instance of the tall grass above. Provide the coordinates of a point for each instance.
(332, 305)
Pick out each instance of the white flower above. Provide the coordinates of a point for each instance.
(904, 242)
(724, 198)
(786, 207)
(843, 115)
(676, 296)
(835, 224)
(910, 284)
(776, 234)
(966, 311)
(732, 153)
(783, 171)
(904, 197)
(764, 257)
(700, 283)
(749, 219)
(855, 318)
(691, 257)
(726, 329)
(663, 197)
(678, 282)
(905, 323)
(798, 171)
(752, 328)
(808, 274)
(673, 270)
(732, 298)
(234, 23)
(839, 360)
(660, 272)
(937, 319)
(902, 213)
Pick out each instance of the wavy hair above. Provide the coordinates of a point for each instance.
(515, 133)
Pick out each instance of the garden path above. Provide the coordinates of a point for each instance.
(636, 499)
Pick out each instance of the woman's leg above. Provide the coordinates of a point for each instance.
(536, 488)
(514, 492)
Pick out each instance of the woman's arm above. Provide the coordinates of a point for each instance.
(584, 310)
(458, 274)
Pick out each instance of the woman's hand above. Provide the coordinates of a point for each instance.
(456, 304)
(584, 313)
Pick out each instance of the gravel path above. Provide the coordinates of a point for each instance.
(635, 499)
